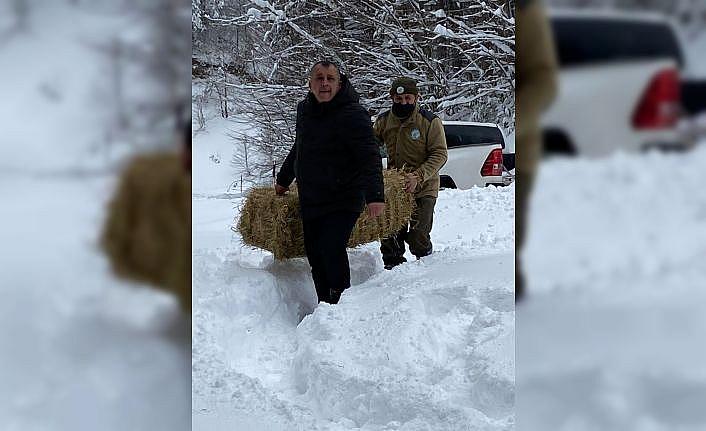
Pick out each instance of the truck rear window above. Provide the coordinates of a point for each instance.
(458, 135)
(601, 40)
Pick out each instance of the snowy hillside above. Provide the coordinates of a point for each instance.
(428, 345)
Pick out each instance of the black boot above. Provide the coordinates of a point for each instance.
(393, 262)
(324, 295)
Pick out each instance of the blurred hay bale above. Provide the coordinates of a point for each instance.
(147, 232)
(273, 223)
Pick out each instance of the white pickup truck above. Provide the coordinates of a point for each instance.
(619, 83)
(475, 155)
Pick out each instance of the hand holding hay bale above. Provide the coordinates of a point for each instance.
(273, 223)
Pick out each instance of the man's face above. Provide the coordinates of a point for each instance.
(404, 99)
(324, 82)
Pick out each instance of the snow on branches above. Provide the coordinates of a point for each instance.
(461, 52)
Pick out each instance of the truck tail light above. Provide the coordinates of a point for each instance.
(660, 105)
(493, 165)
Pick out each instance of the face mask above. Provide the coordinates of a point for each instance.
(402, 111)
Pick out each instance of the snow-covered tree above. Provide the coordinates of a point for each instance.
(460, 51)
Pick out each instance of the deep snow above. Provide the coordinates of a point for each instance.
(428, 345)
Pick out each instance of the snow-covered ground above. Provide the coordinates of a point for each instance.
(426, 346)
(80, 349)
(610, 337)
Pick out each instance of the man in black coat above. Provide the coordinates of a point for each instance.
(336, 162)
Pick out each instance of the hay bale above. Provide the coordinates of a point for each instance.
(273, 222)
(147, 233)
(398, 210)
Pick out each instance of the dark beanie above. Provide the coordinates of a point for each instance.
(404, 86)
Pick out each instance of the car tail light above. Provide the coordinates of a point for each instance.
(493, 165)
(660, 104)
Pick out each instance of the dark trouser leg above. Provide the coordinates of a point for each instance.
(523, 191)
(392, 249)
(312, 237)
(419, 238)
(330, 268)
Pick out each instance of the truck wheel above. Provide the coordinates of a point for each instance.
(446, 182)
(557, 143)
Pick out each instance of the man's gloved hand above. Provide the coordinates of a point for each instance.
(279, 190)
(410, 183)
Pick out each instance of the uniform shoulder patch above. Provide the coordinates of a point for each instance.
(428, 114)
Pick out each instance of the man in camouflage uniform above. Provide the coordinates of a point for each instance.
(536, 87)
(415, 142)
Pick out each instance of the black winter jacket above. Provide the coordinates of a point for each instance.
(335, 157)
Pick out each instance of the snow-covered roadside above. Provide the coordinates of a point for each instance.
(429, 345)
(609, 337)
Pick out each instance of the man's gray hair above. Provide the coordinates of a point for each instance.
(326, 63)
